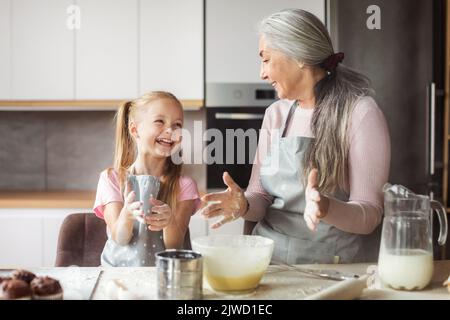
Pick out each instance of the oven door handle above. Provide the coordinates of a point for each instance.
(239, 116)
(432, 126)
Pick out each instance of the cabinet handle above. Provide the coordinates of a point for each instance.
(432, 103)
(239, 116)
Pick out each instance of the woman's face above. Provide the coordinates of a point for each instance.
(158, 131)
(290, 79)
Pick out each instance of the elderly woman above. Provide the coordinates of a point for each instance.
(316, 183)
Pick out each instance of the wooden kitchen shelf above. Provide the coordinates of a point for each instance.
(47, 199)
(50, 199)
(78, 105)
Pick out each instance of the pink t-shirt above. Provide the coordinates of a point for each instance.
(108, 190)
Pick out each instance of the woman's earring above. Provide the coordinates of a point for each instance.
(301, 65)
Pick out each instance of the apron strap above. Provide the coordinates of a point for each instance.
(288, 119)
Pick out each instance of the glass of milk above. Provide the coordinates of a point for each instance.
(406, 251)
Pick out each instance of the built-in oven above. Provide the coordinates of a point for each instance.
(234, 116)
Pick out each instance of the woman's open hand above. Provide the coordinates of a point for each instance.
(316, 204)
(231, 203)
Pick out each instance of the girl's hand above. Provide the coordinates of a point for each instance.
(231, 203)
(122, 225)
(133, 209)
(316, 204)
(162, 218)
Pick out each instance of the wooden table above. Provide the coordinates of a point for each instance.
(278, 283)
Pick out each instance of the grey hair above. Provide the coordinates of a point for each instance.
(301, 36)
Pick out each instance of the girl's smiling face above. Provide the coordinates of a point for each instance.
(158, 129)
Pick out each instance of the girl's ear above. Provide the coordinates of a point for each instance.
(132, 128)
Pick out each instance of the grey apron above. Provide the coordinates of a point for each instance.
(141, 249)
(295, 243)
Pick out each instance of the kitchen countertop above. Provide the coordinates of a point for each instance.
(49, 199)
(278, 283)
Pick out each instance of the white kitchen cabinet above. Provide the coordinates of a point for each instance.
(5, 50)
(42, 50)
(232, 36)
(171, 47)
(107, 50)
(29, 237)
(122, 49)
(20, 240)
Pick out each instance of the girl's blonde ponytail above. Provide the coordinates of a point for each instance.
(125, 149)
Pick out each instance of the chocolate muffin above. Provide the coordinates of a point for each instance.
(4, 279)
(46, 288)
(15, 289)
(24, 275)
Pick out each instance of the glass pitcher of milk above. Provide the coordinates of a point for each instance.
(406, 251)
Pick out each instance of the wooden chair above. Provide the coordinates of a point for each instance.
(82, 238)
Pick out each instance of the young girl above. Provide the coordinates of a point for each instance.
(147, 133)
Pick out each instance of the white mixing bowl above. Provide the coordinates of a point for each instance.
(234, 262)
